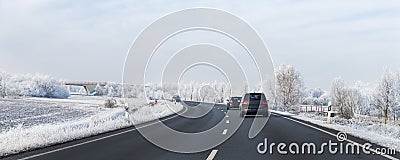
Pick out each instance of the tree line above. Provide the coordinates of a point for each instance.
(382, 100)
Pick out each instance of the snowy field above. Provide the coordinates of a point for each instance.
(37, 122)
(25, 113)
(386, 135)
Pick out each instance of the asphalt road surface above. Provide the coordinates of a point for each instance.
(128, 143)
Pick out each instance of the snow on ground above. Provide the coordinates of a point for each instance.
(282, 113)
(386, 135)
(34, 122)
(26, 113)
(98, 100)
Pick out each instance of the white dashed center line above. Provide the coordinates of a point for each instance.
(225, 131)
(227, 121)
(212, 155)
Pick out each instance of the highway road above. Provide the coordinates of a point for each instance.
(128, 143)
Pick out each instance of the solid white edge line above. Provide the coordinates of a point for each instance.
(212, 154)
(334, 135)
(225, 131)
(98, 139)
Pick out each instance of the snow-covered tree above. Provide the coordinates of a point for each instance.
(385, 94)
(343, 97)
(2, 84)
(132, 91)
(100, 90)
(396, 106)
(271, 94)
(32, 85)
(193, 91)
(207, 93)
(365, 94)
(314, 96)
(289, 84)
(114, 90)
(351, 102)
(325, 98)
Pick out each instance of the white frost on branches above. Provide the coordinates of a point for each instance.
(31, 85)
(386, 97)
(289, 86)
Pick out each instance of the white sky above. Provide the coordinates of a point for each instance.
(88, 40)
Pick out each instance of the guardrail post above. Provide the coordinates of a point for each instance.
(328, 120)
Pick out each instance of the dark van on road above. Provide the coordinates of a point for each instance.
(254, 104)
(234, 103)
(176, 98)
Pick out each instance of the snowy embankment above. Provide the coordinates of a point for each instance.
(90, 119)
(385, 135)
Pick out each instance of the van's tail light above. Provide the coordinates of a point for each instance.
(245, 102)
(264, 102)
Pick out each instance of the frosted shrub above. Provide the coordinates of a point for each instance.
(36, 85)
(100, 90)
(110, 103)
(114, 90)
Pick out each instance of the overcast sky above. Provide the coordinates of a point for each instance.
(89, 40)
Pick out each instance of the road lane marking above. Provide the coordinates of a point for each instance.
(225, 131)
(227, 121)
(101, 138)
(334, 135)
(212, 154)
(227, 116)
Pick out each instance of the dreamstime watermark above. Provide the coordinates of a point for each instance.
(207, 20)
(332, 147)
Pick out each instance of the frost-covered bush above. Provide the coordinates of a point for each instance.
(114, 90)
(109, 90)
(100, 90)
(132, 91)
(33, 85)
(2, 83)
(110, 103)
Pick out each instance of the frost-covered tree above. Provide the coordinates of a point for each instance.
(114, 90)
(2, 84)
(314, 96)
(396, 106)
(385, 94)
(271, 94)
(351, 102)
(365, 94)
(325, 98)
(337, 92)
(193, 91)
(101, 90)
(289, 84)
(207, 93)
(132, 91)
(33, 85)
(343, 98)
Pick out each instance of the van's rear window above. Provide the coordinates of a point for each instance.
(255, 97)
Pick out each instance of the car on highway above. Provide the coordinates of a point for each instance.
(233, 103)
(254, 104)
(152, 101)
(176, 98)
